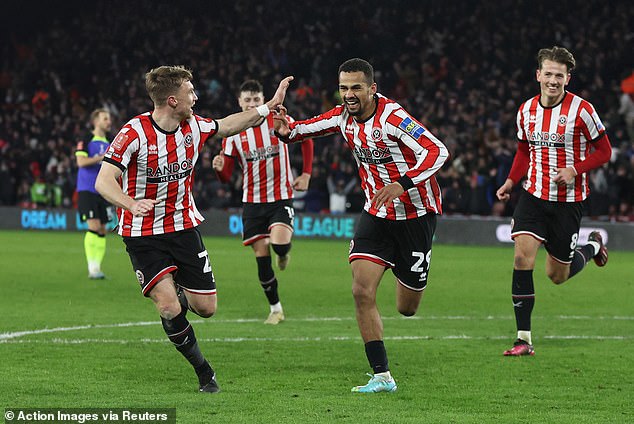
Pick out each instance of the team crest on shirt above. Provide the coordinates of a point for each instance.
(562, 120)
(140, 277)
(377, 133)
(412, 128)
(188, 140)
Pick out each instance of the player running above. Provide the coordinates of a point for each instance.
(267, 192)
(561, 138)
(148, 174)
(397, 159)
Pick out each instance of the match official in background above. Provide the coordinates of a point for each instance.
(148, 174)
(267, 191)
(561, 138)
(93, 209)
(397, 159)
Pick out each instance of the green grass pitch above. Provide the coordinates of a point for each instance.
(69, 342)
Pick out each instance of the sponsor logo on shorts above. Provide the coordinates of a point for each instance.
(140, 277)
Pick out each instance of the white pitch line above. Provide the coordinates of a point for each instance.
(18, 334)
(305, 339)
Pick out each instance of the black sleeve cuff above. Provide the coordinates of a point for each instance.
(406, 182)
(115, 163)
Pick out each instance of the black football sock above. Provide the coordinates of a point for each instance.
(205, 373)
(580, 258)
(523, 293)
(267, 279)
(181, 334)
(377, 357)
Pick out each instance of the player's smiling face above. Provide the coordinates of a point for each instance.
(357, 94)
(250, 100)
(553, 77)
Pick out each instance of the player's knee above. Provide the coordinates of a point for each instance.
(522, 261)
(407, 305)
(407, 310)
(281, 249)
(169, 310)
(557, 277)
(361, 293)
(206, 311)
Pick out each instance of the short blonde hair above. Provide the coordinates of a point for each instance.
(164, 81)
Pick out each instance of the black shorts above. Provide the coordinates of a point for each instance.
(556, 224)
(92, 206)
(258, 218)
(181, 253)
(404, 246)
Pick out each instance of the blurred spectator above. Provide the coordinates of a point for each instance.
(452, 64)
(45, 194)
(338, 194)
(627, 110)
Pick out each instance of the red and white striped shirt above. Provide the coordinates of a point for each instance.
(266, 166)
(159, 165)
(558, 137)
(387, 146)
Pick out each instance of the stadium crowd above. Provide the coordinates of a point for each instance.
(452, 64)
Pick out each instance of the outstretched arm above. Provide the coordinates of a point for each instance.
(237, 122)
